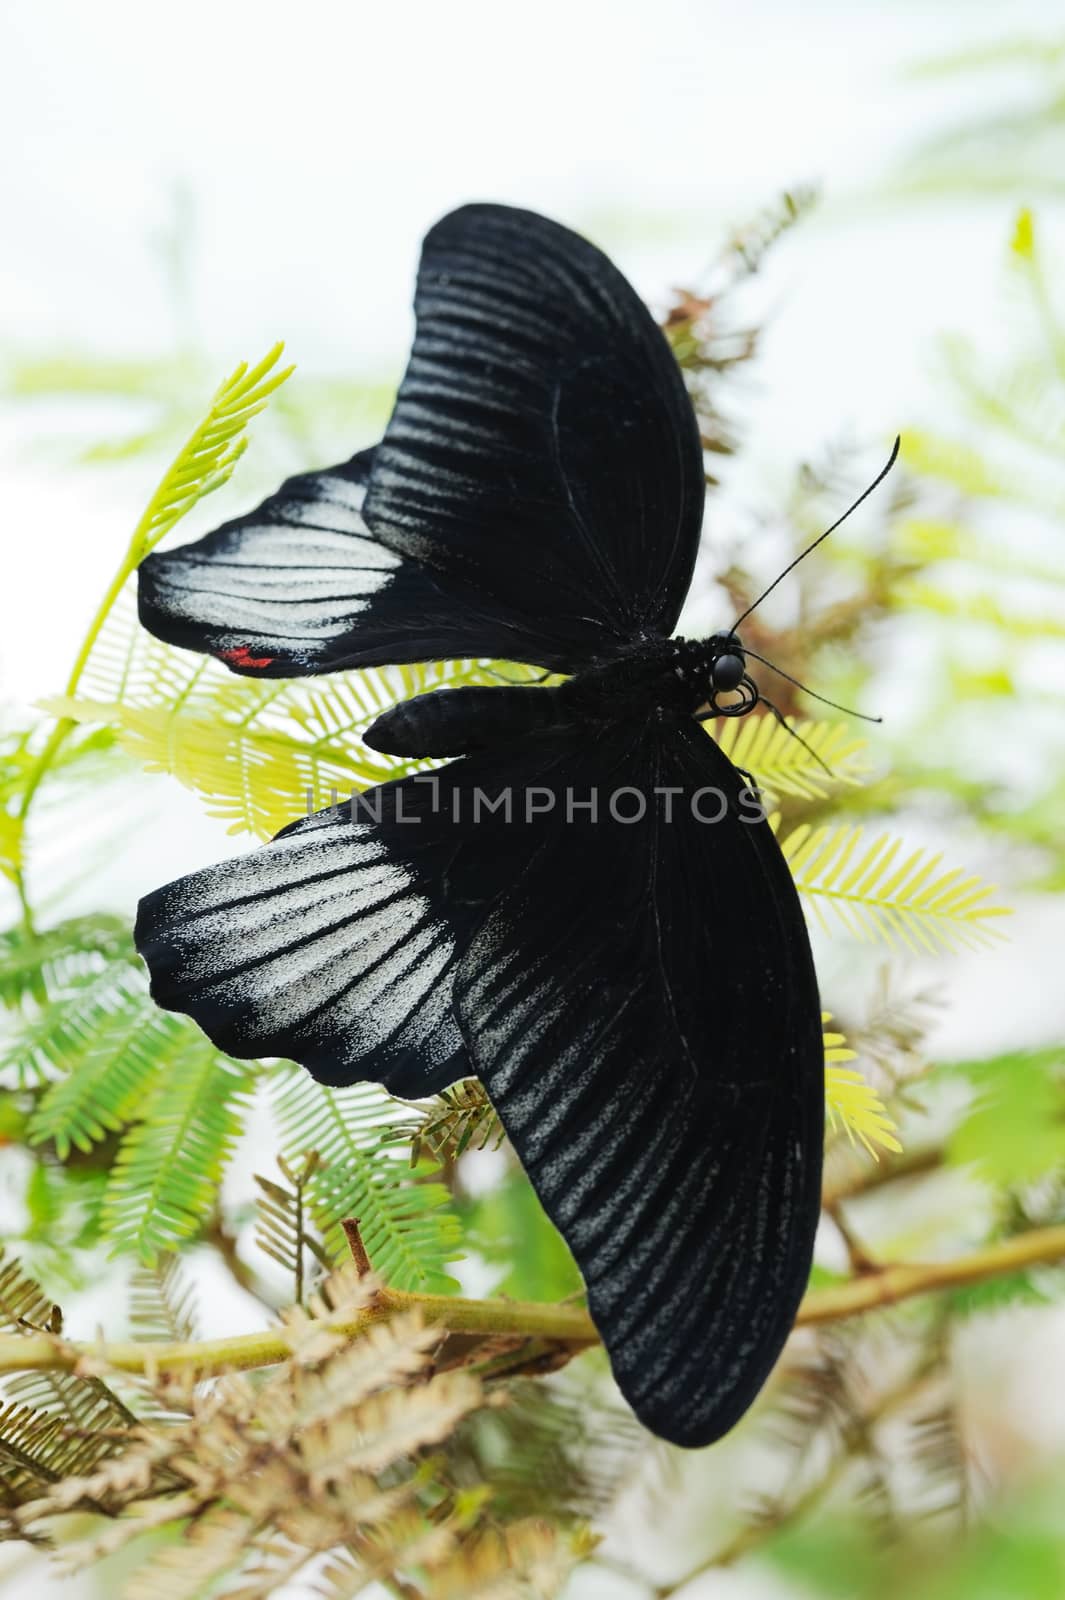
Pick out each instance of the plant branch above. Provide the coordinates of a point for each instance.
(242, 1274)
(861, 1180)
(902, 1280)
(568, 1325)
(860, 1259)
(561, 1325)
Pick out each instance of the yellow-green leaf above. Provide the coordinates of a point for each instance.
(782, 763)
(852, 1103)
(877, 891)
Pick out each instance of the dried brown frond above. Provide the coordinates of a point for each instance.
(527, 1560)
(285, 1229)
(868, 1418)
(326, 1455)
(53, 1425)
(891, 1035)
(557, 1448)
(701, 324)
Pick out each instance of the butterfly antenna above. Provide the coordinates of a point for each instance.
(847, 710)
(784, 723)
(881, 475)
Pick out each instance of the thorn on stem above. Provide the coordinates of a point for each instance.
(350, 1226)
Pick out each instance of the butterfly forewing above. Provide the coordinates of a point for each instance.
(543, 438)
(537, 495)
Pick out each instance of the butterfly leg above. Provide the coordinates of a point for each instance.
(784, 723)
(736, 708)
(504, 677)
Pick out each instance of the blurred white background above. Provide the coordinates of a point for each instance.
(308, 148)
(308, 151)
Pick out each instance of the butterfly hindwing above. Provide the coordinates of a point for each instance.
(336, 944)
(537, 495)
(321, 946)
(642, 1009)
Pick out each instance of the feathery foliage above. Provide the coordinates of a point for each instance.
(110, 1065)
(1013, 1130)
(166, 1175)
(850, 1102)
(876, 895)
(162, 1302)
(73, 952)
(461, 1118)
(209, 455)
(407, 1227)
(403, 1455)
(53, 1424)
(95, 1048)
(327, 1456)
(558, 1448)
(258, 753)
(783, 764)
(284, 1230)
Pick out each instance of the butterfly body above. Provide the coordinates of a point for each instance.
(675, 676)
(672, 678)
(575, 907)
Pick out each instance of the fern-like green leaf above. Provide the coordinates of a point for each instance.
(409, 1233)
(461, 1118)
(851, 1104)
(58, 959)
(981, 608)
(924, 540)
(782, 764)
(10, 845)
(108, 1047)
(876, 892)
(203, 464)
(207, 459)
(284, 1229)
(961, 466)
(162, 1302)
(1014, 1129)
(165, 1180)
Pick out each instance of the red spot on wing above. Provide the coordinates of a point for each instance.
(241, 656)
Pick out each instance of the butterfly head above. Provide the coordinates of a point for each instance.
(728, 664)
(708, 669)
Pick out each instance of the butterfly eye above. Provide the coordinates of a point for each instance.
(727, 671)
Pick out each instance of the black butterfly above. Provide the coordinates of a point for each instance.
(632, 983)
